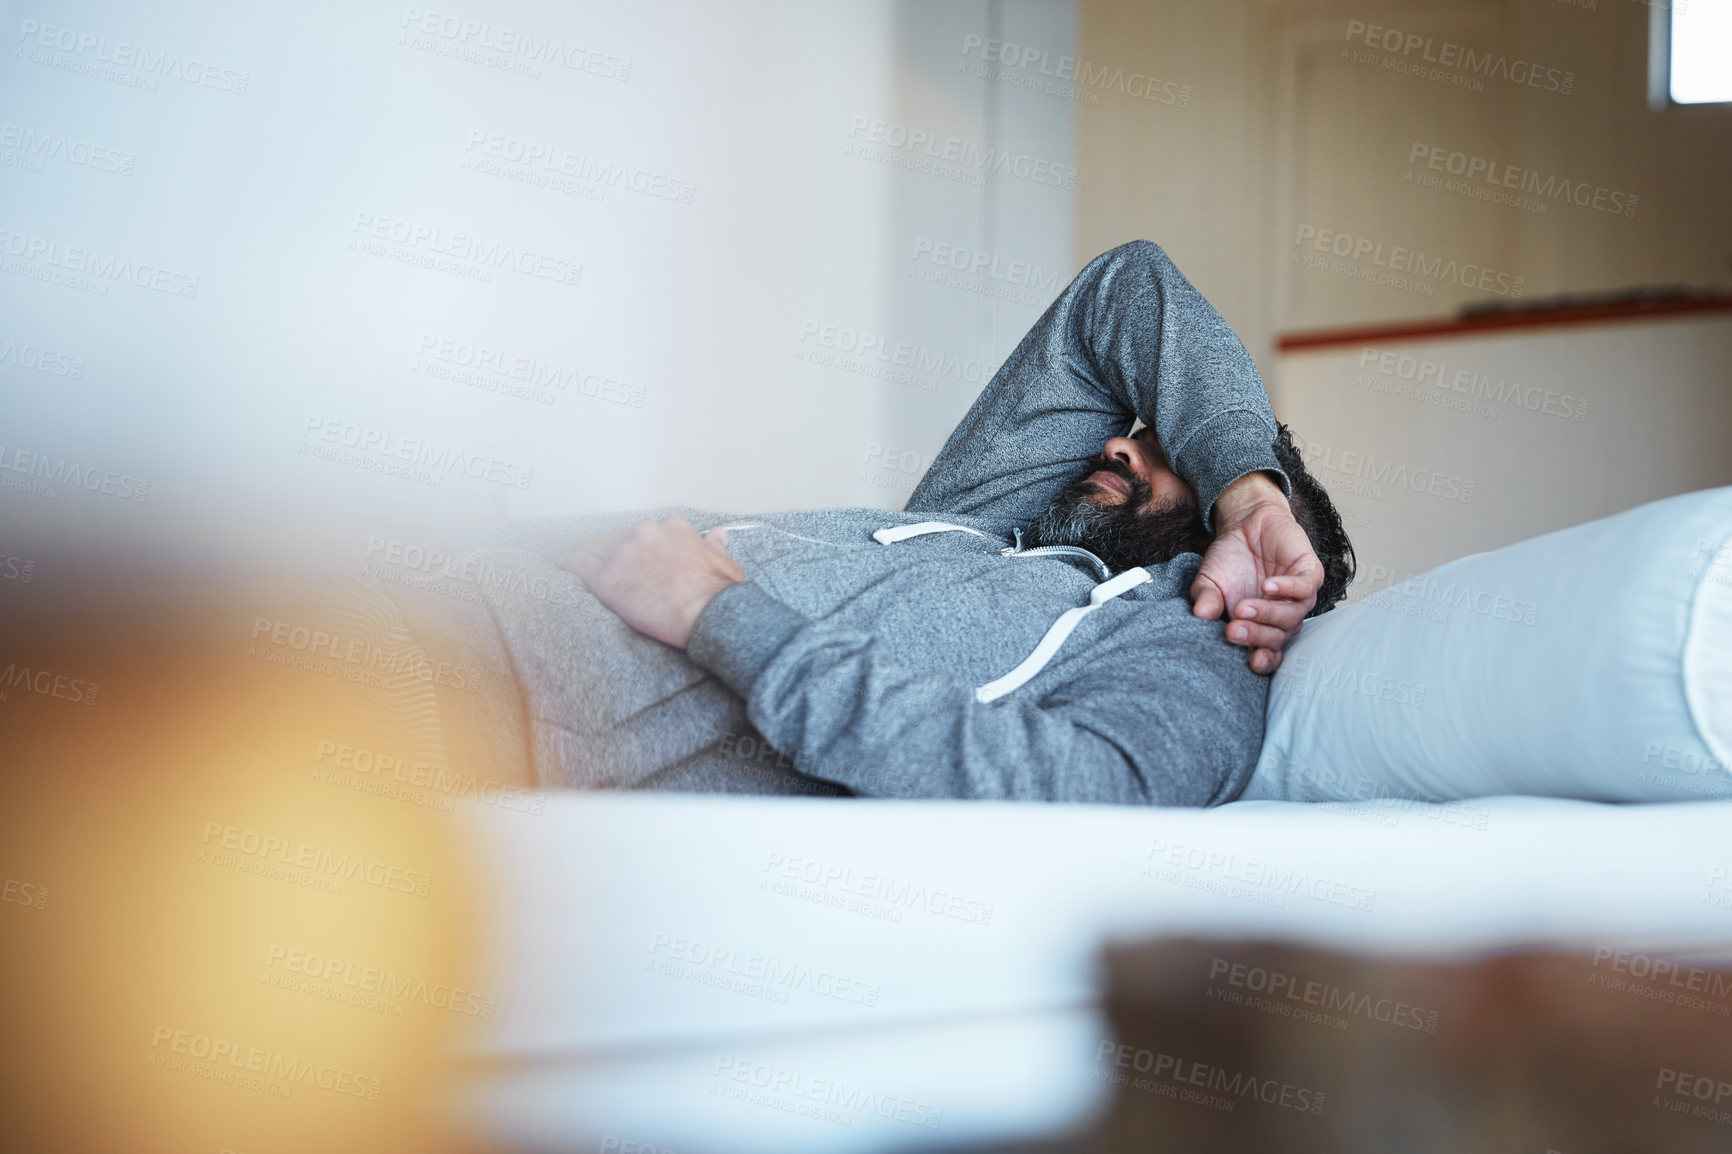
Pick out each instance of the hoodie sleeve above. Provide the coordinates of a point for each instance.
(1179, 722)
(1130, 337)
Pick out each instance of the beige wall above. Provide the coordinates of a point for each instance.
(1283, 131)
(1297, 134)
(1439, 447)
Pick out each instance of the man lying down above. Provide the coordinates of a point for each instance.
(1062, 613)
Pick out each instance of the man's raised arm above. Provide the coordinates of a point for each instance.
(1130, 337)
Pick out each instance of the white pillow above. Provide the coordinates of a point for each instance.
(1594, 663)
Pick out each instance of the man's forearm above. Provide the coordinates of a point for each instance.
(1250, 490)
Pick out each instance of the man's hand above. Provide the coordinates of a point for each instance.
(1261, 571)
(657, 575)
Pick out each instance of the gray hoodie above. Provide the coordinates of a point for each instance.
(928, 653)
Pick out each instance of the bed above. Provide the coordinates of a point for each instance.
(711, 974)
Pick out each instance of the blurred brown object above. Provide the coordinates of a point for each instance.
(1228, 1047)
(241, 911)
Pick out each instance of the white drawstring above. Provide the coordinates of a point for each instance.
(903, 532)
(1055, 636)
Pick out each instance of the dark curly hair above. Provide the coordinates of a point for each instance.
(1317, 515)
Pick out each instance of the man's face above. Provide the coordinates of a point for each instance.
(1131, 509)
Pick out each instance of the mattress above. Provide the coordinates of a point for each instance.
(714, 974)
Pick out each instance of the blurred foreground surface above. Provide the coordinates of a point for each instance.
(1231, 1047)
(214, 938)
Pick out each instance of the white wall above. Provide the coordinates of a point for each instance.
(1220, 129)
(685, 344)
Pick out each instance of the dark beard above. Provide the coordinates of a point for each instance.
(1125, 535)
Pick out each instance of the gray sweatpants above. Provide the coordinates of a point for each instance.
(607, 707)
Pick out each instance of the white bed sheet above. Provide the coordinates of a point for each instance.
(938, 958)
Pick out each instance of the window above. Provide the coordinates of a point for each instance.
(1690, 61)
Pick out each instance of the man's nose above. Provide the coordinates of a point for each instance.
(1127, 449)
